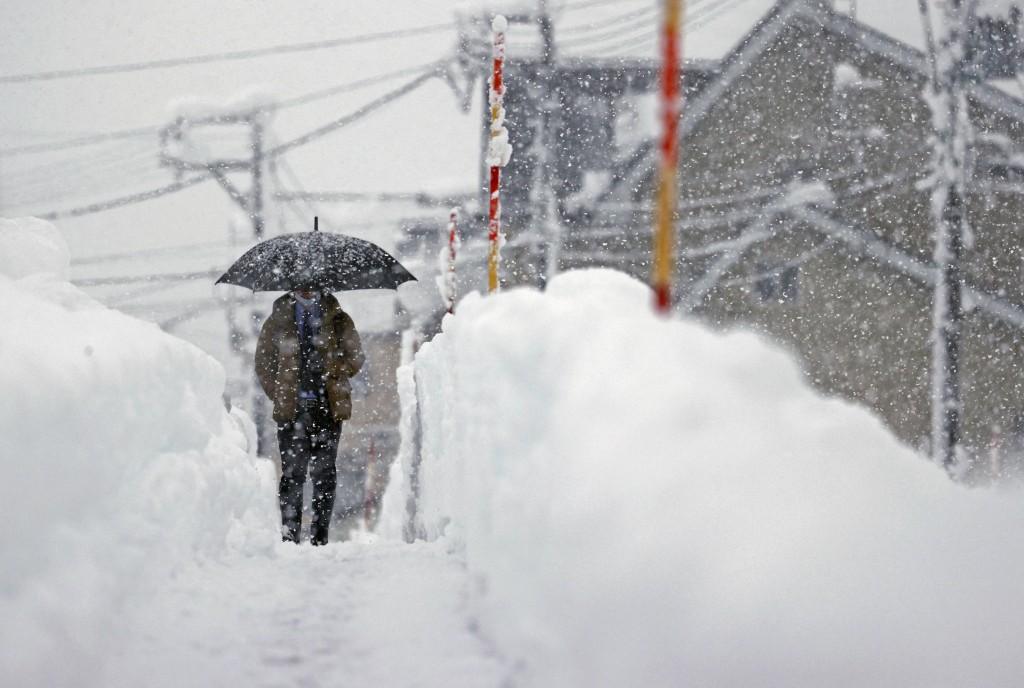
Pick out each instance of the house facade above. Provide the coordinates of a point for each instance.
(804, 212)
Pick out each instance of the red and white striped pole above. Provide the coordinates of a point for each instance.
(449, 275)
(665, 203)
(498, 151)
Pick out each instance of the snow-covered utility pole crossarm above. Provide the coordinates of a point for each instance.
(665, 203)
(499, 151)
(947, 23)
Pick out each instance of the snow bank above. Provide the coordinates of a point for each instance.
(120, 463)
(644, 502)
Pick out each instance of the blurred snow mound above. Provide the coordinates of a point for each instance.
(646, 502)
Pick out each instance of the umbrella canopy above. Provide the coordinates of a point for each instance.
(318, 261)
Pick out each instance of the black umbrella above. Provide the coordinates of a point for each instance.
(317, 261)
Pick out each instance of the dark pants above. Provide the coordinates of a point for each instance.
(309, 443)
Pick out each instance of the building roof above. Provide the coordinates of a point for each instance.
(784, 15)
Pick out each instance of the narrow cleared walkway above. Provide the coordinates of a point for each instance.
(350, 614)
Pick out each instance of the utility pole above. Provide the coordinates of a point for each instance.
(259, 400)
(256, 203)
(173, 154)
(545, 215)
(948, 101)
(667, 188)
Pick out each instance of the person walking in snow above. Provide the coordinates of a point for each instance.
(307, 350)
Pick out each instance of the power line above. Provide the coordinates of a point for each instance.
(638, 37)
(272, 153)
(704, 15)
(155, 129)
(610, 32)
(155, 252)
(223, 57)
(79, 141)
(126, 298)
(606, 23)
(174, 276)
(286, 167)
(169, 324)
(355, 85)
(41, 198)
(712, 12)
(81, 176)
(572, 7)
(21, 132)
(380, 196)
(83, 162)
(352, 117)
(127, 200)
(58, 173)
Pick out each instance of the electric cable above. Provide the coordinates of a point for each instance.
(149, 253)
(353, 116)
(355, 85)
(608, 48)
(286, 167)
(224, 57)
(126, 297)
(135, 279)
(575, 6)
(60, 172)
(604, 24)
(80, 177)
(608, 33)
(153, 130)
(79, 141)
(274, 152)
(127, 200)
(708, 14)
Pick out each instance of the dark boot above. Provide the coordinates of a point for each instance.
(290, 496)
(294, 459)
(323, 473)
(290, 533)
(318, 536)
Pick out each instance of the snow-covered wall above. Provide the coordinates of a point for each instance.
(119, 460)
(644, 502)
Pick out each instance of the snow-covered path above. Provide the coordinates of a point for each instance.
(354, 613)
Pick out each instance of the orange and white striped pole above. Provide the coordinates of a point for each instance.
(498, 151)
(665, 199)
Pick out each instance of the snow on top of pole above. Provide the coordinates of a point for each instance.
(499, 150)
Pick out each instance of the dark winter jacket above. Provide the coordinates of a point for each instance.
(278, 362)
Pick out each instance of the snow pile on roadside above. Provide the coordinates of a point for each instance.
(645, 502)
(120, 463)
